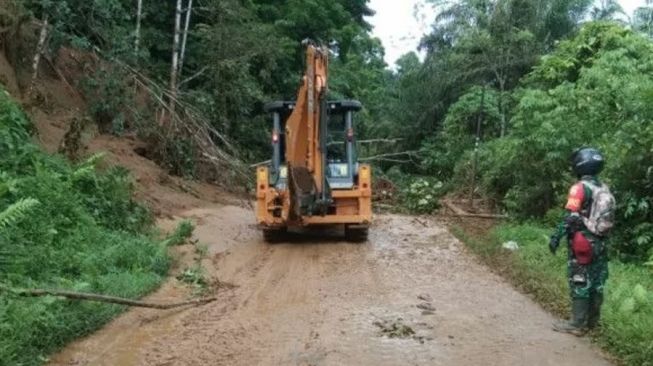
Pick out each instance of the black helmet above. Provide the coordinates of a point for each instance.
(587, 161)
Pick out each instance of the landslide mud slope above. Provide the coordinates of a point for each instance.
(410, 296)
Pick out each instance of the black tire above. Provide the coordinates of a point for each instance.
(356, 234)
(274, 236)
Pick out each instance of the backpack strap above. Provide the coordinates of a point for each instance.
(588, 186)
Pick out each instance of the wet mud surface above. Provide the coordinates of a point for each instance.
(411, 295)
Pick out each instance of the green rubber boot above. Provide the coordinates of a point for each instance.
(578, 323)
(594, 315)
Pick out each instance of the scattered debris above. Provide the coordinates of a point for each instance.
(426, 306)
(459, 212)
(510, 245)
(394, 329)
(423, 223)
(384, 190)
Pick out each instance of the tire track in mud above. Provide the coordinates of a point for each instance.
(410, 296)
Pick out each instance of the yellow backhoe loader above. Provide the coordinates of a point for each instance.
(314, 178)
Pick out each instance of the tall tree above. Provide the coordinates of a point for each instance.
(643, 18)
(139, 15)
(480, 42)
(174, 71)
(607, 10)
(189, 11)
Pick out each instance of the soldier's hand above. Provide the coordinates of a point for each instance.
(554, 242)
(573, 223)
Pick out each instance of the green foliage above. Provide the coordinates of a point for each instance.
(183, 232)
(607, 10)
(16, 212)
(643, 19)
(627, 313)
(602, 81)
(109, 98)
(480, 105)
(65, 227)
(194, 276)
(422, 195)
(473, 44)
(179, 156)
(239, 55)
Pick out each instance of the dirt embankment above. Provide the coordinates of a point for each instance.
(56, 104)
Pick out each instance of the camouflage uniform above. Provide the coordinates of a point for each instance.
(587, 274)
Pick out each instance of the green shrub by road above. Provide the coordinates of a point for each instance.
(69, 227)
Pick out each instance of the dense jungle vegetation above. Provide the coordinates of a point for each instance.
(64, 226)
(540, 77)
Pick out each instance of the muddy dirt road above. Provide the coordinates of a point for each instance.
(410, 296)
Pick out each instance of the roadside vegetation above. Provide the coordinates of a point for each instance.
(627, 317)
(593, 86)
(65, 226)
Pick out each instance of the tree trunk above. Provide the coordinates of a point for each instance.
(40, 47)
(174, 70)
(189, 10)
(139, 14)
(477, 144)
(502, 85)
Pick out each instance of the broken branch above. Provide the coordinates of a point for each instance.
(390, 155)
(103, 298)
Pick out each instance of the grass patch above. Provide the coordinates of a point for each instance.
(70, 227)
(183, 232)
(627, 319)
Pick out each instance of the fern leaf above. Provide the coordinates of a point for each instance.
(87, 168)
(17, 212)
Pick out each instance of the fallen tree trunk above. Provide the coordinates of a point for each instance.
(103, 298)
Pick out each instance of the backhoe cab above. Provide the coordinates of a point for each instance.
(314, 178)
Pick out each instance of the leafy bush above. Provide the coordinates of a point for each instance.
(183, 231)
(195, 276)
(422, 195)
(595, 89)
(70, 227)
(441, 153)
(109, 96)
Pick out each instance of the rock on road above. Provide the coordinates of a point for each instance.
(410, 296)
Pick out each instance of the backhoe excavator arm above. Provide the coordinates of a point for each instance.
(309, 191)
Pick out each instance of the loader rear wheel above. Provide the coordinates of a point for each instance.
(356, 234)
(273, 236)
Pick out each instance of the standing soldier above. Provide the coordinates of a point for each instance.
(588, 220)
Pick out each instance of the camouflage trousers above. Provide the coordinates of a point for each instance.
(588, 280)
